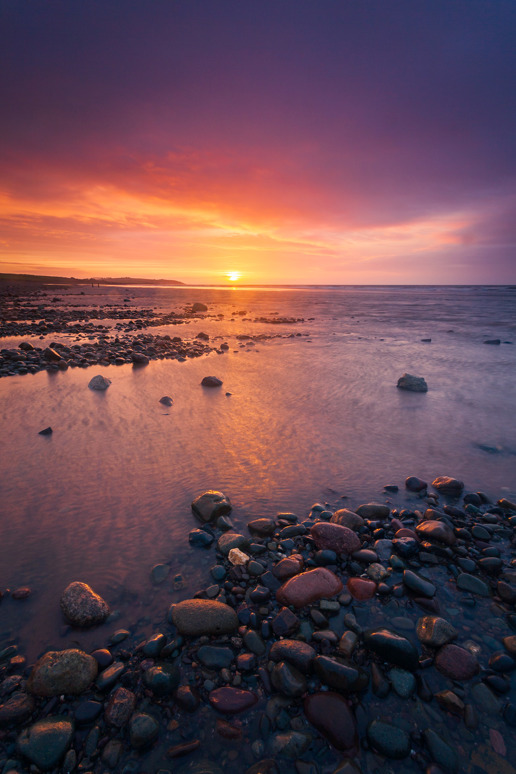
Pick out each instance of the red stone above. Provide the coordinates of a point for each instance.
(231, 700)
(406, 532)
(456, 663)
(335, 537)
(21, 593)
(308, 587)
(288, 566)
(361, 588)
(332, 716)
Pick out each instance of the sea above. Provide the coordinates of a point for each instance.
(309, 412)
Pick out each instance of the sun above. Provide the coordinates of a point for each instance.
(233, 276)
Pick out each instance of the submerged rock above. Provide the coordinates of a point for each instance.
(448, 486)
(211, 381)
(230, 701)
(392, 648)
(82, 607)
(332, 716)
(412, 383)
(166, 400)
(62, 671)
(45, 742)
(435, 631)
(389, 740)
(456, 663)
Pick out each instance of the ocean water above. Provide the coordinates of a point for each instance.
(314, 415)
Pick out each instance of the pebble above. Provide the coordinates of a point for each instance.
(119, 708)
(335, 537)
(474, 585)
(297, 653)
(347, 518)
(448, 486)
(361, 588)
(392, 648)
(441, 752)
(434, 631)
(143, 730)
(231, 701)
(99, 383)
(456, 663)
(309, 587)
(332, 716)
(195, 617)
(389, 740)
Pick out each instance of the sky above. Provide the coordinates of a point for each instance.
(282, 141)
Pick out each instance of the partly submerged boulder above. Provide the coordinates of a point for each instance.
(82, 607)
(412, 383)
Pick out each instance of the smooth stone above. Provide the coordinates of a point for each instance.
(348, 643)
(200, 538)
(290, 744)
(441, 752)
(434, 631)
(288, 680)
(502, 662)
(230, 540)
(162, 679)
(471, 583)
(419, 585)
(403, 682)
(254, 642)
(213, 657)
(210, 505)
(87, 711)
(341, 677)
(195, 617)
(285, 622)
(309, 587)
(332, 716)
(18, 708)
(46, 431)
(296, 652)
(159, 573)
(373, 511)
(82, 607)
(120, 707)
(211, 381)
(45, 742)
(230, 701)
(103, 657)
(377, 572)
(509, 644)
(448, 486)
(138, 358)
(450, 702)
(361, 588)
(263, 527)
(62, 672)
(348, 519)
(436, 531)
(143, 730)
(166, 400)
(456, 663)
(412, 383)
(289, 566)
(383, 548)
(109, 676)
(389, 740)
(415, 484)
(406, 547)
(335, 537)
(392, 648)
(99, 383)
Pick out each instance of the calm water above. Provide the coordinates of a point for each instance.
(311, 418)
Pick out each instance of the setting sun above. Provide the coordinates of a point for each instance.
(233, 276)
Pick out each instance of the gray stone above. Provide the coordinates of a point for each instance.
(288, 680)
(62, 672)
(441, 752)
(162, 679)
(419, 585)
(297, 653)
(210, 505)
(435, 631)
(389, 740)
(448, 486)
(195, 617)
(403, 682)
(213, 657)
(412, 383)
(471, 583)
(230, 540)
(46, 742)
(143, 730)
(99, 383)
(373, 511)
(82, 607)
(392, 648)
(211, 381)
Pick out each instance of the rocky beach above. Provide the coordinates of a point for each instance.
(282, 540)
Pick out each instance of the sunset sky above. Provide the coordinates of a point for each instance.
(290, 141)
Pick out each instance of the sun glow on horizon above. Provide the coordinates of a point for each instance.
(233, 276)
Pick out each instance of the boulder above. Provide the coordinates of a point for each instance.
(210, 505)
(211, 381)
(335, 537)
(195, 617)
(332, 716)
(374, 511)
(412, 383)
(45, 742)
(99, 383)
(309, 587)
(82, 607)
(62, 671)
(348, 519)
(448, 486)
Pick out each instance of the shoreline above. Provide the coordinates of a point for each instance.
(349, 636)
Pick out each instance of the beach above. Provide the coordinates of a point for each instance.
(307, 424)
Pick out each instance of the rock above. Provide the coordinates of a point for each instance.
(198, 307)
(415, 484)
(436, 531)
(46, 431)
(120, 707)
(309, 586)
(392, 648)
(82, 607)
(46, 741)
(99, 383)
(213, 657)
(138, 358)
(332, 716)
(347, 519)
(285, 622)
(361, 588)
(450, 702)
(62, 671)
(200, 538)
(195, 617)
(389, 740)
(109, 676)
(210, 505)
(448, 486)
(297, 653)
(230, 540)
(403, 682)
(237, 557)
(211, 381)
(290, 744)
(374, 511)
(412, 383)
(262, 527)
(18, 708)
(509, 644)
(143, 730)
(471, 583)
(286, 679)
(159, 573)
(230, 701)
(419, 585)
(289, 566)
(496, 342)
(434, 631)
(456, 663)
(51, 355)
(166, 400)
(22, 593)
(335, 537)
(342, 677)
(441, 752)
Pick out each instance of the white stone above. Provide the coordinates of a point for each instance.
(236, 556)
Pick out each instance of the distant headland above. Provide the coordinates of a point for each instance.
(41, 279)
